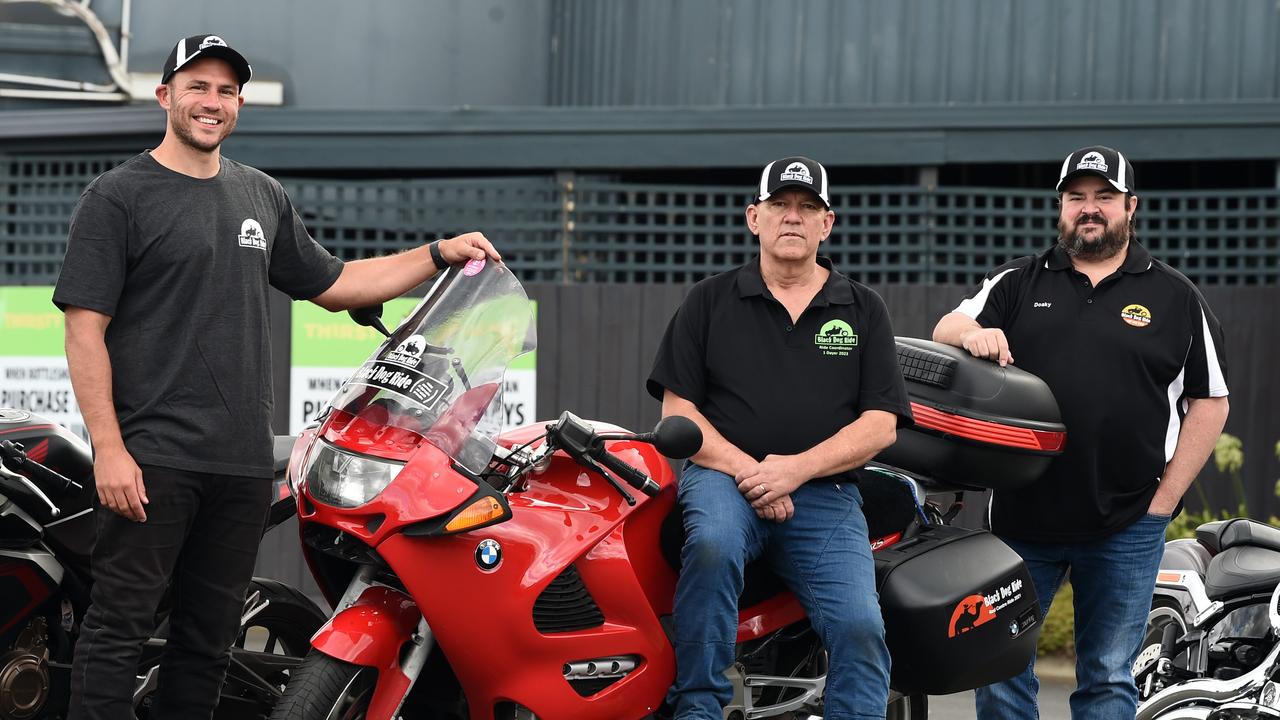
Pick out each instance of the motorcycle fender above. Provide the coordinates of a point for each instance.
(371, 631)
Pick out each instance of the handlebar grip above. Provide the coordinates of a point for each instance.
(46, 478)
(630, 474)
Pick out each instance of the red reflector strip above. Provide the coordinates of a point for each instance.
(987, 432)
(886, 541)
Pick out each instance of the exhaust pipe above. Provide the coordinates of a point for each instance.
(607, 667)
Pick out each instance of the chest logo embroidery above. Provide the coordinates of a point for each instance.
(1045, 304)
(835, 338)
(1136, 315)
(251, 235)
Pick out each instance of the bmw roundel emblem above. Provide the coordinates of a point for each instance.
(488, 554)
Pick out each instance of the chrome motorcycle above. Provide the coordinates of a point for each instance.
(1211, 650)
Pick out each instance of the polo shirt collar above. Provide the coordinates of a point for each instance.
(835, 291)
(1137, 260)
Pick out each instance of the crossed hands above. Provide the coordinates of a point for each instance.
(768, 485)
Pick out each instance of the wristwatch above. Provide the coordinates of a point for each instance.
(437, 258)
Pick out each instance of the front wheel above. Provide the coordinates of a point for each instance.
(323, 688)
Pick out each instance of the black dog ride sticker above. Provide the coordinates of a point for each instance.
(402, 381)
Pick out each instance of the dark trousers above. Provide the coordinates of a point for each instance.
(202, 532)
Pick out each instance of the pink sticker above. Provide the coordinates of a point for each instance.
(473, 267)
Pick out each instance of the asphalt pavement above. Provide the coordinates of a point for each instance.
(1057, 680)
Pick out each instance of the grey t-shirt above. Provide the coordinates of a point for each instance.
(182, 266)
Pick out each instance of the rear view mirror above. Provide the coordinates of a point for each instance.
(677, 437)
(369, 317)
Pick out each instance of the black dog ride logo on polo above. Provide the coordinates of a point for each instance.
(1136, 315)
(251, 235)
(835, 338)
(797, 171)
(488, 555)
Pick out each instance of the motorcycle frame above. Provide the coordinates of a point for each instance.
(1226, 693)
(535, 552)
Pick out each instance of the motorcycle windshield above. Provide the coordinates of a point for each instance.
(439, 376)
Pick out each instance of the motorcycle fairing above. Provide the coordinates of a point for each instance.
(370, 633)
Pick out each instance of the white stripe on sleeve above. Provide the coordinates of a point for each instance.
(1175, 421)
(973, 306)
(1217, 381)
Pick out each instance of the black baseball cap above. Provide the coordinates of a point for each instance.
(202, 46)
(1101, 161)
(794, 172)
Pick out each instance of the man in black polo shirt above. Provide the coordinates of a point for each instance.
(1135, 359)
(789, 369)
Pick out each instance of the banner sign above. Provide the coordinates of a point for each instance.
(328, 347)
(33, 368)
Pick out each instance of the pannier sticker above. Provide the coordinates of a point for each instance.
(969, 614)
(408, 353)
(402, 381)
(976, 610)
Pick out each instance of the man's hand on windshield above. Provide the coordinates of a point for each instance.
(469, 246)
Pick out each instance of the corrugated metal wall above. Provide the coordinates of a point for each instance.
(828, 52)
(366, 54)
(380, 54)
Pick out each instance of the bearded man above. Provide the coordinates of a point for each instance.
(1135, 359)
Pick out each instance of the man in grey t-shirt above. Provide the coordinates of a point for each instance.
(164, 287)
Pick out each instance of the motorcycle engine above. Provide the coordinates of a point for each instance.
(24, 673)
(1238, 642)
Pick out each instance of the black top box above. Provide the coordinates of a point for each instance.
(977, 425)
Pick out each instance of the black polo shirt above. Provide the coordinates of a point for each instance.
(770, 386)
(1121, 358)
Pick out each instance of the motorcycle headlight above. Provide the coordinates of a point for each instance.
(343, 479)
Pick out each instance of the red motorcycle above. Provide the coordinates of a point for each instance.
(531, 574)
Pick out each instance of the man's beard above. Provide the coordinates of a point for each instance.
(1111, 241)
(183, 132)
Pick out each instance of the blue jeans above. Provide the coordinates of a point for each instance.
(1113, 579)
(823, 555)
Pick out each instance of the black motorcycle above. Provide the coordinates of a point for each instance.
(1212, 645)
(46, 534)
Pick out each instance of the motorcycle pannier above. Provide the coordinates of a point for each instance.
(959, 610)
(976, 424)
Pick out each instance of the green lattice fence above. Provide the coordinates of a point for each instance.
(566, 228)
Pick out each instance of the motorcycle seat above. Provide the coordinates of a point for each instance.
(1209, 535)
(1242, 570)
(888, 505)
(1242, 531)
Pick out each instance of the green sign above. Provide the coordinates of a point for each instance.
(333, 340)
(30, 325)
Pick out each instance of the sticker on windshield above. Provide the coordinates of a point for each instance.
(409, 352)
(409, 383)
(473, 267)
